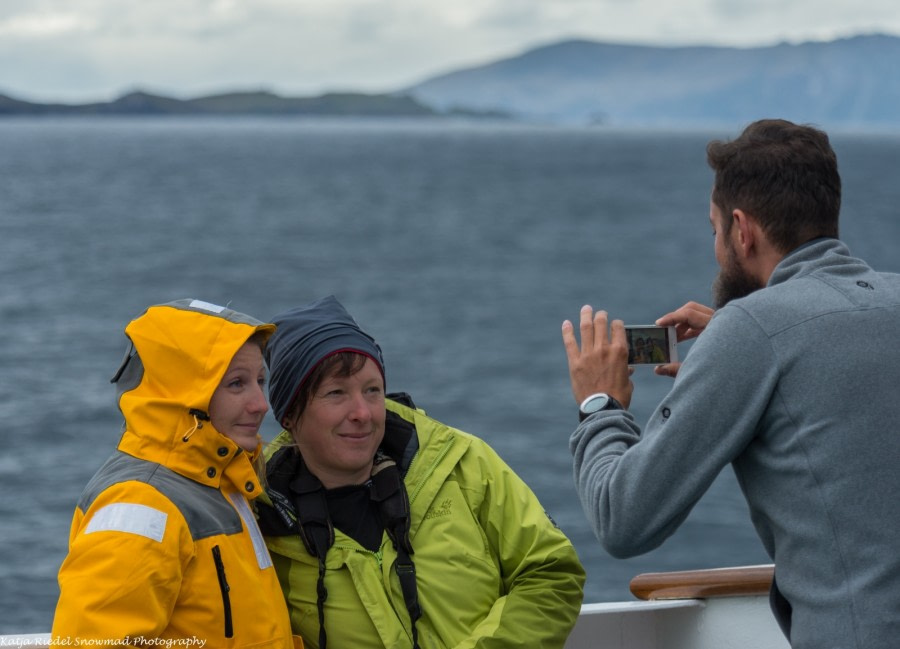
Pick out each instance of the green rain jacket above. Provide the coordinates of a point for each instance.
(492, 568)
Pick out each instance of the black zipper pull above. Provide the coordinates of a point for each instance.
(223, 586)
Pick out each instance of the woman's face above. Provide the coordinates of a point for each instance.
(238, 405)
(342, 426)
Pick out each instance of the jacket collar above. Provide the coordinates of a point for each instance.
(809, 257)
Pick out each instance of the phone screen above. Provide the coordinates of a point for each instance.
(650, 345)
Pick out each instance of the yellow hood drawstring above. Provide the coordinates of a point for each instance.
(199, 418)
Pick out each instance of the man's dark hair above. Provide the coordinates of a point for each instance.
(784, 175)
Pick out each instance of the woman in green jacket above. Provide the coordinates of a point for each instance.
(390, 529)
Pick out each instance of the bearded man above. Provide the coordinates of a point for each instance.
(789, 381)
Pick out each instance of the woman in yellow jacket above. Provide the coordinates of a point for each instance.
(164, 547)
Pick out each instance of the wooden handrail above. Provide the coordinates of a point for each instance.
(698, 584)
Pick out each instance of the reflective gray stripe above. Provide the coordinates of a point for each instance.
(259, 546)
(206, 510)
(130, 518)
(206, 306)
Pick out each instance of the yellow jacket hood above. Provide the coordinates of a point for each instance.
(178, 356)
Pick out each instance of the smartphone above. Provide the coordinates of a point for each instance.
(651, 345)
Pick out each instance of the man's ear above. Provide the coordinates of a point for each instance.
(746, 232)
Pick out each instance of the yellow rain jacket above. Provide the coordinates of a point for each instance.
(164, 547)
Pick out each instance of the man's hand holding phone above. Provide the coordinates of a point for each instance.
(689, 321)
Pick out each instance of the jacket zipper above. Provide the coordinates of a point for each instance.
(223, 586)
(378, 555)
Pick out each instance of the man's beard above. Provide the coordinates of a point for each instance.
(732, 282)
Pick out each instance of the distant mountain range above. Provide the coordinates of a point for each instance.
(847, 83)
(238, 103)
(853, 82)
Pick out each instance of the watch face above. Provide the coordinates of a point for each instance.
(595, 403)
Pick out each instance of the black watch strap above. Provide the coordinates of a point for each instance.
(596, 403)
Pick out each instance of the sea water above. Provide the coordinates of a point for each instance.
(460, 246)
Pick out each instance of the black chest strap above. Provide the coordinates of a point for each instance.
(307, 513)
(315, 530)
(389, 492)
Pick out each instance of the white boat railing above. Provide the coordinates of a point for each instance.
(725, 608)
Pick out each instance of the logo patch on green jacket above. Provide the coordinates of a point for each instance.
(443, 509)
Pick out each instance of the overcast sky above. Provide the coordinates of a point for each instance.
(92, 50)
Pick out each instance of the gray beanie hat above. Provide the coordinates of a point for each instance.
(305, 336)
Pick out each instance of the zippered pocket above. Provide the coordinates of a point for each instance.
(223, 586)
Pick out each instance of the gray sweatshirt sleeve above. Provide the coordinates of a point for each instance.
(637, 488)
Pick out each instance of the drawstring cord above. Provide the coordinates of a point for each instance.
(199, 417)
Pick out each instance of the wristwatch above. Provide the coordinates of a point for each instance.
(597, 402)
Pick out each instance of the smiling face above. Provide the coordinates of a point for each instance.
(238, 405)
(342, 426)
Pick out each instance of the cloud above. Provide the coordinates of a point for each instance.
(43, 25)
(83, 50)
